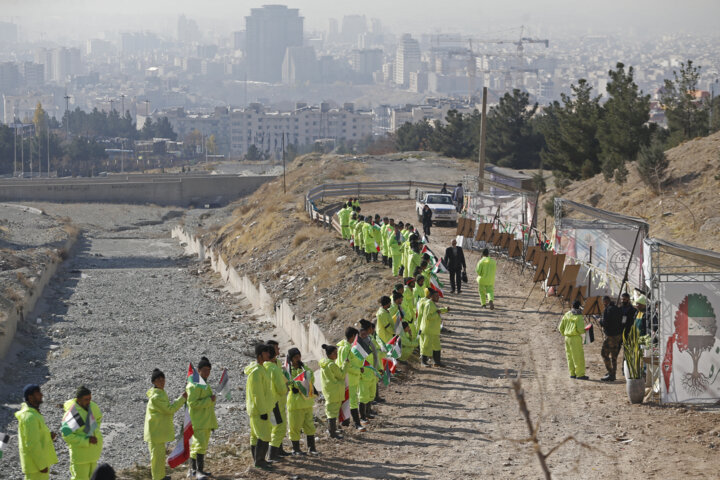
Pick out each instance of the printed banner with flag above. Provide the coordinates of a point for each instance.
(302, 383)
(5, 438)
(194, 377)
(181, 452)
(345, 406)
(71, 421)
(358, 350)
(394, 347)
(223, 389)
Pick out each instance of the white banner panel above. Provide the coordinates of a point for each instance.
(689, 344)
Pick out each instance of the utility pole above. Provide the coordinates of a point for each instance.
(22, 150)
(15, 150)
(147, 109)
(283, 157)
(112, 102)
(122, 98)
(67, 115)
(483, 135)
(48, 146)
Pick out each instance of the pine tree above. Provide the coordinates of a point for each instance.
(687, 116)
(622, 128)
(570, 130)
(652, 164)
(511, 139)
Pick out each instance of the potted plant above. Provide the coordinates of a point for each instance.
(635, 384)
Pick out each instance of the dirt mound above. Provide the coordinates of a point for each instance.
(687, 210)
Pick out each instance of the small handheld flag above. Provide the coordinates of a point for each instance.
(345, 406)
(302, 383)
(181, 452)
(286, 369)
(394, 347)
(71, 421)
(5, 438)
(223, 389)
(194, 377)
(358, 350)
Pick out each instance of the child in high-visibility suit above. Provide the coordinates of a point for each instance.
(408, 303)
(259, 404)
(353, 374)
(85, 447)
(159, 428)
(368, 238)
(396, 311)
(408, 342)
(368, 374)
(394, 248)
(279, 383)
(201, 406)
(35, 440)
(300, 406)
(485, 270)
(344, 219)
(358, 236)
(572, 326)
(385, 322)
(430, 325)
(333, 385)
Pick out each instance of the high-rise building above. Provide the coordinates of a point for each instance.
(187, 30)
(9, 77)
(239, 40)
(299, 66)
(66, 63)
(407, 59)
(43, 56)
(352, 27)
(8, 33)
(270, 30)
(366, 62)
(33, 74)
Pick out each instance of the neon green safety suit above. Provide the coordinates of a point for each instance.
(35, 444)
(202, 416)
(369, 238)
(300, 407)
(358, 235)
(353, 370)
(409, 343)
(279, 387)
(408, 306)
(385, 325)
(486, 279)
(159, 428)
(572, 326)
(395, 254)
(332, 377)
(83, 454)
(413, 261)
(259, 402)
(430, 325)
(344, 219)
(395, 315)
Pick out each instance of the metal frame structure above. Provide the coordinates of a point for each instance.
(704, 260)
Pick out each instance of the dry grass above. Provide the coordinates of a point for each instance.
(25, 281)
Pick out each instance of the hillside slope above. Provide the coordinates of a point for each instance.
(688, 208)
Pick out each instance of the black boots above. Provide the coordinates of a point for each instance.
(375, 257)
(193, 468)
(424, 361)
(355, 413)
(311, 445)
(281, 452)
(346, 422)
(260, 451)
(332, 428)
(369, 414)
(385, 260)
(436, 359)
(296, 448)
(367, 257)
(273, 454)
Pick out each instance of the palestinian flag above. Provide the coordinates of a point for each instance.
(302, 383)
(71, 421)
(399, 317)
(223, 388)
(90, 424)
(358, 349)
(390, 365)
(345, 407)
(394, 347)
(194, 377)
(439, 267)
(367, 365)
(436, 285)
(5, 439)
(181, 452)
(377, 247)
(286, 369)
(352, 241)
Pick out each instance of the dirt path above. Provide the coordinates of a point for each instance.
(460, 421)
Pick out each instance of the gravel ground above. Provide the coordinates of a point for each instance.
(128, 300)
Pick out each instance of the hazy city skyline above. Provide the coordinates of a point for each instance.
(636, 18)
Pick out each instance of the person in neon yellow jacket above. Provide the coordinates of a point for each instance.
(344, 220)
(159, 428)
(35, 440)
(486, 279)
(408, 342)
(394, 249)
(279, 383)
(413, 259)
(368, 376)
(385, 323)
(572, 326)
(358, 235)
(300, 406)
(418, 295)
(332, 377)
(430, 326)
(397, 313)
(259, 404)
(368, 239)
(201, 406)
(353, 374)
(85, 443)
(383, 239)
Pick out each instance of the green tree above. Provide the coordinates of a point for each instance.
(414, 136)
(652, 164)
(459, 136)
(511, 139)
(164, 129)
(687, 115)
(253, 153)
(622, 127)
(570, 130)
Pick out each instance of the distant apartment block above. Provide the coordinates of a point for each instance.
(407, 59)
(270, 30)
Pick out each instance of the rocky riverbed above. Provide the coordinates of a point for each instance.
(127, 301)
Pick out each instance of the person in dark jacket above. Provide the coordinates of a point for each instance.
(455, 263)
(427, 221)
(628, 313)
(611, 323)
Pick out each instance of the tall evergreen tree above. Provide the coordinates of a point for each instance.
(511, 139)
(652, 164)
(570, 130)
(622, 128)
(687, 115)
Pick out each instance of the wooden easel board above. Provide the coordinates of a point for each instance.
(577, 293)
(469, 228)
(532, 252)
(568, 280)
(593, 306)
(543, 267)
(461, 226)
(556, 268)
(514, 248)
